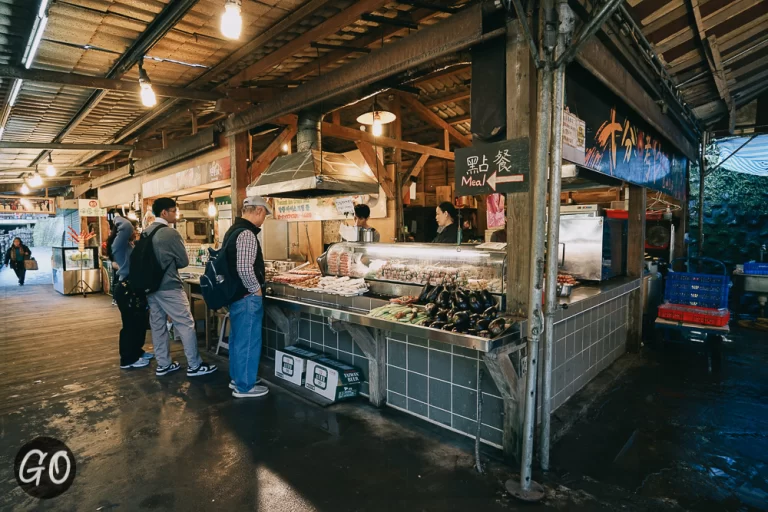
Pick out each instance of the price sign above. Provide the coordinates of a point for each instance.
(497, 167)
(574, 138)
(345, 206)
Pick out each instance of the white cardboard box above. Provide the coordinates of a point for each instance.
(332, 379)
(291, 363)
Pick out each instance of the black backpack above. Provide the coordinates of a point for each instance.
(146, 273)
(217, 286)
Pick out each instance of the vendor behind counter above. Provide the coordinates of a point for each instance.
(447, 217)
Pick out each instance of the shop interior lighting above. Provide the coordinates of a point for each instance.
(211, 206)
(14, 92)
(35, 180)
(37, 35)
(24, 188)
(148, 98)
(232, 20)
(376, 119)
(50, 169)
(285, 147)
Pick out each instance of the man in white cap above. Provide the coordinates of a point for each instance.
(246, 314)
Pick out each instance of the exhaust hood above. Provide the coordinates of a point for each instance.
(312, 174)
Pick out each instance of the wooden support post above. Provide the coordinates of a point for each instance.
(511, 386)
(375, 349)
(635, 261)
(377, 166)
(446, 140)
(164, 136)
(194, 121)
(238, 159)
(521, 94)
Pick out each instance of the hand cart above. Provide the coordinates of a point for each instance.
(702, 290)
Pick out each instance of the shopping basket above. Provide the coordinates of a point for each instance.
(696, 289)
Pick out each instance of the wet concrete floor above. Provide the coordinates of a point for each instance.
(146, 443)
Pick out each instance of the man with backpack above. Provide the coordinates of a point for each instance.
(155, 261)
(245, 263)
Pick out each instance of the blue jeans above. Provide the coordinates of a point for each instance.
(245, 316)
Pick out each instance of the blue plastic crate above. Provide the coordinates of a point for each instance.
(755, 268)
(703, 290)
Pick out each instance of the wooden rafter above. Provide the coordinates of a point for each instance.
(458, 96)
(342, 132)
(443, 73)
(429, 116)
(416, 169)
(376, 165)
(330, 26)
(271, 152)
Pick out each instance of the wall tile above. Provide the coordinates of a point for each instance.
(415, 340)
(364, 366)
(419, 408)
(345, 342)
(397, 400)
(346, 358)
(465, 372)
(396, 353)
(560, 352)
(491, 435)
(396, 379)
(440, 416)
(465, 425)
(417, 359)
(559, 330)
(558, 383)
(440, 394)
(440, 365)
(397, 336)
(464, 402)
(466, 352)
(570, 342)
(330, 338)
(304, 332)
(357, 350)
(488, 385)
(439, 345)
(493, 411)
(417, 387)
(316, 332)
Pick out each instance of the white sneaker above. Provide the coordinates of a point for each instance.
(255, 391)
(141, 363)
(232, 383)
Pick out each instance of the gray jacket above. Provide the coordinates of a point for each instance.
(121, 247)
(170, 253)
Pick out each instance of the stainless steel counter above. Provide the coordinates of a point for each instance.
(361, 318)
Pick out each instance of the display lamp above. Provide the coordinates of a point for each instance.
(148, 98)
(376, 119)
(232, 20)
(50, 169)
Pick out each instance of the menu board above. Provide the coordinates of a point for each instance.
(90, 208)
(497, 167)
(329, 208)
(574, 138)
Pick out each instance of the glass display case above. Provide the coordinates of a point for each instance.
(76, 272)
(418, 264)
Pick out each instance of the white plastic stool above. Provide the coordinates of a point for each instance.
(223, 340)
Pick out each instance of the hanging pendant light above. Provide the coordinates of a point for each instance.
(148, 98)
(35, 180)
(50, 169)
(376, 119)
(24, 188)
(211, 206)
(232, 20)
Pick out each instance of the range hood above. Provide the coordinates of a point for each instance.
(311, 173)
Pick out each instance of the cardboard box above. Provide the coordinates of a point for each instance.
(291, 363)
(333, 379)
(444, 194)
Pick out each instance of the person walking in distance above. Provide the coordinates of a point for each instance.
(132, 305)
(15, 256)
(246, 314)
(169, 300)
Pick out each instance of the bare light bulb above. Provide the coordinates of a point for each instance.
(50, 169)
(211, 209)
(285, 148)
(36, 180)
(231, 20)
(148, 98)
(377, 128)
(24, 188)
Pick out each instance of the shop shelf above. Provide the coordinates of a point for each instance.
(755, 268)
(695, 314)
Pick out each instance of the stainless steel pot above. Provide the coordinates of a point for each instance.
(365, 235)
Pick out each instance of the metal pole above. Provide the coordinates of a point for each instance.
(592, 26)
(553, 231)
(702, 174)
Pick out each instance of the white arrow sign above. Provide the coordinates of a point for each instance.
(493, 179)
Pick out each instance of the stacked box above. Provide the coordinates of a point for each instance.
(333, 379)
(291, 363)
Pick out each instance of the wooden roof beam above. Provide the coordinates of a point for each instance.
(458, 96)
(330, 26)
(344, 133)
(438, 122)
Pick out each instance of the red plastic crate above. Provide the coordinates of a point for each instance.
(695, 314)
(624, 214)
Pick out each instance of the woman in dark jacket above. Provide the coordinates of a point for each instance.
(15, 256)
(447, 228)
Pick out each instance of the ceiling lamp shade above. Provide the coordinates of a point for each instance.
(382, 116)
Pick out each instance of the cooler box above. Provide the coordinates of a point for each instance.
(333, 379)
(291, 363)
